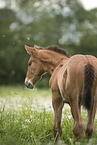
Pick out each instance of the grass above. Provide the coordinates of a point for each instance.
(26, 118)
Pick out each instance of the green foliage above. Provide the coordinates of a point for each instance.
(64, 23)
(26, 118)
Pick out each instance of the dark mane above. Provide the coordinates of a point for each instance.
(56, 49)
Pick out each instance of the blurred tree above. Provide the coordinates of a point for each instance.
(88, 43)
(6, 18)
(43, 22)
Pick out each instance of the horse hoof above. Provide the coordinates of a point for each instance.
(89, 132)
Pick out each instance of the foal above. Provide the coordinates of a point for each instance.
(75, 82)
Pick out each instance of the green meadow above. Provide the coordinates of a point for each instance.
(27, 117)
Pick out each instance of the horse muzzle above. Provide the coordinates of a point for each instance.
(28, 84)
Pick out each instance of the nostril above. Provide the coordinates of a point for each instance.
(29, 85)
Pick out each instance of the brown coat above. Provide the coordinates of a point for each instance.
(74, 81)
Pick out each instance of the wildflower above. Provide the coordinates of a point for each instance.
(19, 105)
(28, 120)
(49, 118)
(31, 116)
(31, 132)
(69, 116)
(24, 126)
(51, 112)
(27, 125)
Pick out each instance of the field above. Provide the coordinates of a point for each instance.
(26, 118)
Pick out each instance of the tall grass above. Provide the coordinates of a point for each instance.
(26, 118)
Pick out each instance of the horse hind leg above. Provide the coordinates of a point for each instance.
(88, 97)
(90, 128)
(90, 125)
(78, 122)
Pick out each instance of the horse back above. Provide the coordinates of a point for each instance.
(75, 73)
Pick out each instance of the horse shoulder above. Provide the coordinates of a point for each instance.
(53, 80)
(56, 76)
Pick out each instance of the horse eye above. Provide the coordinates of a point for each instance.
(29, 64)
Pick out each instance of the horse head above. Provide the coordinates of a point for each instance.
(35, 69)
(43, 60)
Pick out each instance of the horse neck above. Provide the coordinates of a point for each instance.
(52, 61)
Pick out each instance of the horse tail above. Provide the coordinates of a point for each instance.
(87, 94)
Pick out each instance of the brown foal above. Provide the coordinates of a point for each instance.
(73, 81)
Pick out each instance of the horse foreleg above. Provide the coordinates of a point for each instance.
(57, 105)
(90, 125)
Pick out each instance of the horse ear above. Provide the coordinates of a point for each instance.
(35, 46)
(30, 50)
